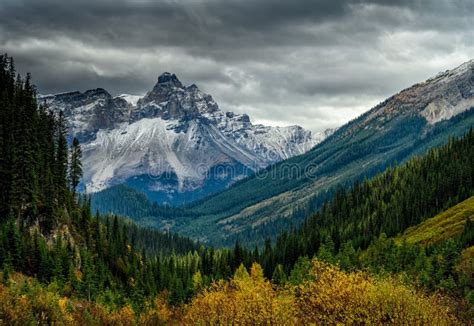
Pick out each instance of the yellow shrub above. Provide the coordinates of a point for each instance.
(98, 315)
(245, 300)
(36, 306)
(337, 297)
(159, 313)
(13, 310)
(331, 297)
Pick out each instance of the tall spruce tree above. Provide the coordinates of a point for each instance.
(75, 166)
(60, 172)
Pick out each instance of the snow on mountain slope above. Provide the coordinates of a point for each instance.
(174, 132)
(130, 99)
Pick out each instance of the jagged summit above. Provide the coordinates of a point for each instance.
(168, 79)
(169, 99)
(192, 87)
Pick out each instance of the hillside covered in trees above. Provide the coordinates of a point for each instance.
(61, 263)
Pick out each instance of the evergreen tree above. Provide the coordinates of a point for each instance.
(279, 276)
(6, 274)
(61, 165)
(75, 166)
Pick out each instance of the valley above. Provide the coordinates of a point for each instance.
(236, 162)
(283, 194)
(371, 222)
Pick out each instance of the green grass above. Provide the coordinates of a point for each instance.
(443, 226)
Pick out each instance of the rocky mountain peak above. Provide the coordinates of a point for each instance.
(192, 87)
(97, 92)
(167, 79)
(171, 100)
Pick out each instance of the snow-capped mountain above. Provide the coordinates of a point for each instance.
(174, 143)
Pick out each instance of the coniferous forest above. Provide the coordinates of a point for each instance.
(62, 263)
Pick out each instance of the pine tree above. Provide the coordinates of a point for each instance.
(6, 274)
(60, 172)
(75, 166)
(279, 275)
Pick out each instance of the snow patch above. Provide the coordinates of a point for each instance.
(131, 99)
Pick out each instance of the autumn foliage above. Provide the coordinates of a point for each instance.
(335, 297)
(246, 299)
(327, 296)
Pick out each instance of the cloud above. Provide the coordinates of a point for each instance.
(307, 62)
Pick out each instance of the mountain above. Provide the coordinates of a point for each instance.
(420, 117)
(175, 144)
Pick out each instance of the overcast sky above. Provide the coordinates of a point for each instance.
(308, 62)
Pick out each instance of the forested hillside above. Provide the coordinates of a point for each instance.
(126, 201)
(33, 153)
(365, 216)
(47, 231)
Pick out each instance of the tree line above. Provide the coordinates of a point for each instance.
(37, 178)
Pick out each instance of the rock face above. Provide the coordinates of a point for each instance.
(90, 111)
(439, 98)
(175, 144)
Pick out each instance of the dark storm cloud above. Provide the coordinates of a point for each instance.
(316, 63)
(148, 23)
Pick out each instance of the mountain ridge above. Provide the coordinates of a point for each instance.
(175, 144)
